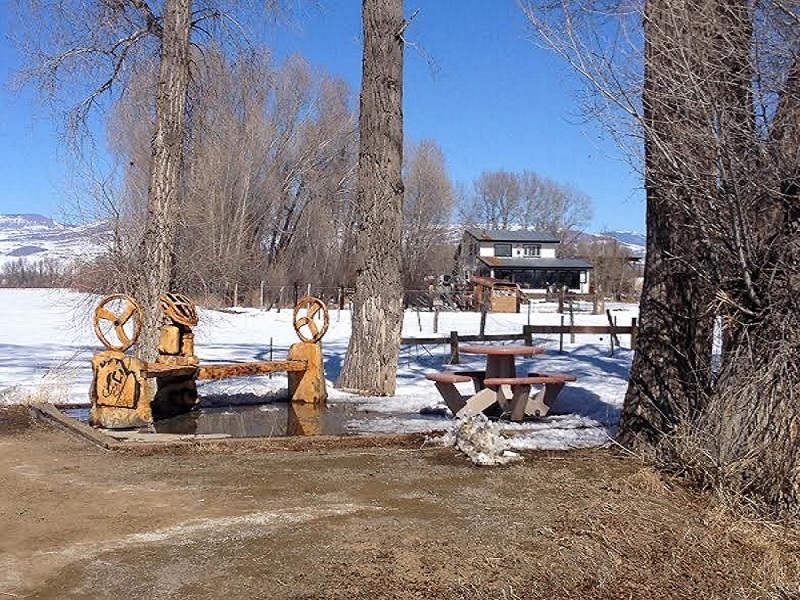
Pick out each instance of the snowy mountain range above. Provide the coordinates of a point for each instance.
(35, 237)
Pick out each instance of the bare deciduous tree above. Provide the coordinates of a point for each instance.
(718, 113)
(371, 363)
(269, 166)
(551, 206)
(504, 200)
(495, 200)
(95, 46)
(428, 203)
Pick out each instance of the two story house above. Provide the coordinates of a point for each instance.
(527, 258)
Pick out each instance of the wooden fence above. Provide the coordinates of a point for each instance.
(528, 331)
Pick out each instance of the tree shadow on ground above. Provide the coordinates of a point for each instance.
(576, 400)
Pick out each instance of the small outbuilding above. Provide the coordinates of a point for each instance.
(498, 295)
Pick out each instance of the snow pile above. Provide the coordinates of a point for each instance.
(480, 440)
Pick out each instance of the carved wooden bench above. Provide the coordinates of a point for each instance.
(513, 393)
(130, 392)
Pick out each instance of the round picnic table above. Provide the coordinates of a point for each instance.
(500, 360)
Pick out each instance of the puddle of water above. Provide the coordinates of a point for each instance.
(261, 420)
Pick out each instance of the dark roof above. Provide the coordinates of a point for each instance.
(535, 263)
(517, 235)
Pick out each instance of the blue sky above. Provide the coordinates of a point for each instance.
(493, 101)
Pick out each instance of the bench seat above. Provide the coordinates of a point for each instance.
(448, 377)
(457, 402)
(515, 392)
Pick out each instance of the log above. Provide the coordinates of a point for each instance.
(223, 370)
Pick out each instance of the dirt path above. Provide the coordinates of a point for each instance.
(78, 521)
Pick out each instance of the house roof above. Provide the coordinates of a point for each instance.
(535, 263)
(517, 235)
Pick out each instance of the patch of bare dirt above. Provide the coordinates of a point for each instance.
(354, 523)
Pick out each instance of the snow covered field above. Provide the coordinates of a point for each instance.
(46, 341)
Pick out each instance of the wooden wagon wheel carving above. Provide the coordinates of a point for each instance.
(124, 317)
(316, 311)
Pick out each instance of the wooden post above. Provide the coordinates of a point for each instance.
(308, 290)
(634, 332)
(280, 297)
(261, 295)
(612, 327)
(483, 321)
(527, 332)
(236, 294)
(571, 322)
(436, 320)
(307, 386)
(529, 312)
(419, 320)
(454, 358)
(561, 337)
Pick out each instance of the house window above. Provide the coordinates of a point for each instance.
(502, 249)
(532, 249)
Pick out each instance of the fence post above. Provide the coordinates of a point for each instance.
(634, 332)
(261, 295)
(454, 358)
(571, 321)
(527, 333)
(436, 320)
(613, 327)
(612, 331)
(561, 337)
(483, 321)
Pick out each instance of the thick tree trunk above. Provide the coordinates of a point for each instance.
(158, 244)
(671, 370)
(370, 366)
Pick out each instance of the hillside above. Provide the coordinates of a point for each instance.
(36, 237)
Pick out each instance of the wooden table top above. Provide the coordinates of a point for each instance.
(502, 350)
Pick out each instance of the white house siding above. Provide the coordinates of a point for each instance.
(518, 250)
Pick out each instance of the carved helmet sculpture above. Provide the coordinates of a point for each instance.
(179, 309)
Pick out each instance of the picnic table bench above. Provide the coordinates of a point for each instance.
(516, 393)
